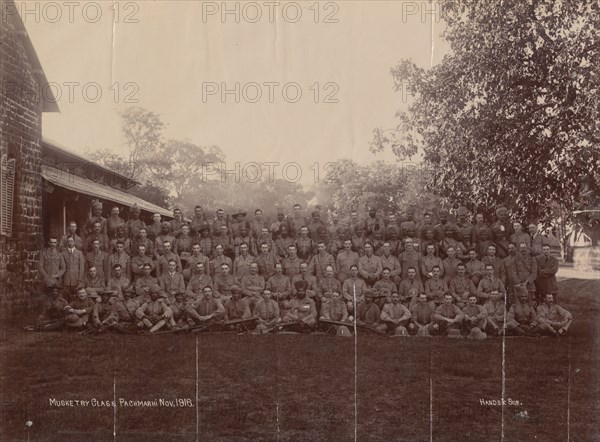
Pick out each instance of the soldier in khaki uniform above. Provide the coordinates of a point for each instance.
(252, 285)
(267, 311)
(79, 310)
(410, 288)
(394, 317)
(138, 261)
(474, 321)
(206, 309)
(154, 313)
(51, 265)
(345, 259)
(320, 261)
(496, 314)
(198, 281)
(291, 263)
(422, 317)
(303, 311)
(553, 319)
(521, 319)
(280, 287)
(449, 317)
(462, 288)
(335, 310)
(53, 312)
(436, 288)
(71, 231)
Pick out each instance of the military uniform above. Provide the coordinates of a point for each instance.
(217, 262)
(436, 289)
(80, 317)
(461, 287)
(241, 265)
(547, 267)
(62, 244)
(475, 270)
(74, 274)
(353, 288)
(409, 290)
(203, 307)
(553, 317)
(488, 285)
(268, 314)
(496, 313)
(474, 327)
(449, 311)
(319, 263)
(391, 312)
(527, 271)
(252, 287)
(344, 261)
(172, 283)
(370, 268)
(137, 266)
(122, 259)
(291, 266)
(237, 309)
(197, 284)
(280, 286)
(450, 266)
(51, 266)
(521, 318)
(304, 248)
(113, 224)
(162, 265)
(368, 314)
(410, 259)
(266, 264)
(118, 285)
(143, 283)
(422, 317)
(222, 286)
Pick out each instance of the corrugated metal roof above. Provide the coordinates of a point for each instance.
(88, 187)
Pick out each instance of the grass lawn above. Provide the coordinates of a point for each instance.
(293, 387)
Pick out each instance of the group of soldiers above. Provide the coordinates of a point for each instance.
(386, 275)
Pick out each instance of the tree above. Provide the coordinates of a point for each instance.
(511, 115)
(386, 186)
(175, 164)
(153, 194)
(142, 130)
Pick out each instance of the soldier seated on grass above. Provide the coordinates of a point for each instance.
(422, 321)
(394, 317)
(267, 311)
(79, 310)
(449, 318)
(552, 319)
(104, 315)
(521, 319)
(53, 311)
(206, 309)
(154, 313)
(474, 321)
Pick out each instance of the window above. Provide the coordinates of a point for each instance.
(7, 191)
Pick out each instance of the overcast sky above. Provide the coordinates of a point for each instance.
(165, 54)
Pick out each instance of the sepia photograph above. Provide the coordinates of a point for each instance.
(349, 220)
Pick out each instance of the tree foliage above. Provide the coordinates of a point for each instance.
(510, 116)
(386, 186)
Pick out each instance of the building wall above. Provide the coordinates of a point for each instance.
(20, 137)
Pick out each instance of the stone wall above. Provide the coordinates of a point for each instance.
(20, 137)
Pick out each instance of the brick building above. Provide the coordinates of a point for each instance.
(21, 107)
(43, 185)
